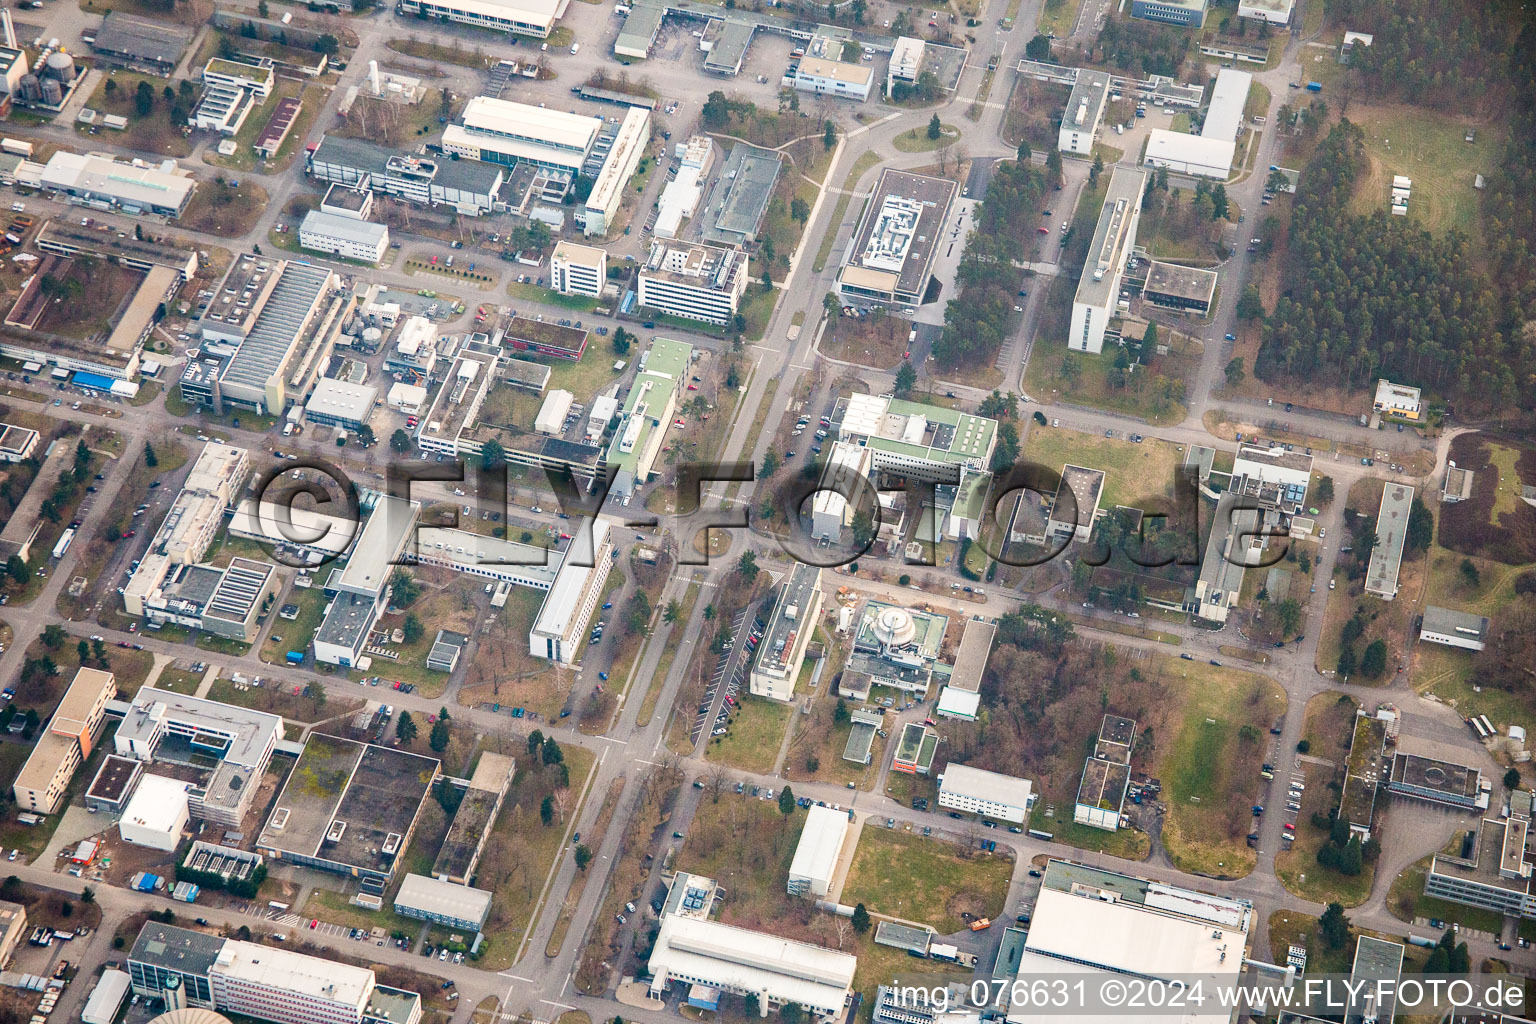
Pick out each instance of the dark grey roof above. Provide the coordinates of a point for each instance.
(176, 949)
(141, 38)
(474, 176)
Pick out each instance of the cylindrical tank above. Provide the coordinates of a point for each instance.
(53, 92)
(372, 335)
(30, 88)
(61, 66)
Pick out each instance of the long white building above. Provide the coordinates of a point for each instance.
(1113, 240)
(504, 132)
(535, 18)
(989, 794)
(695, 282)
(1209, 154)
(1085, 108)
(618, 167)
(816, 855)
(567, 609)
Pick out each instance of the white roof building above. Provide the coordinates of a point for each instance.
(447, 903)
(739, 961)
(107, 997)
(556, 633)
(340, 402)
(816, 856)
(519, 131)
(551, 417)
(134, 187)
(156, 814)
(408, 398)
(957, 703)
(247, 977)
(525, 17)
(1209, 154)
(988, 794)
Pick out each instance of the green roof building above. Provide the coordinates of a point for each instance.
(652, 402)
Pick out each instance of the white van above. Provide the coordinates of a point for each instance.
(575, 49)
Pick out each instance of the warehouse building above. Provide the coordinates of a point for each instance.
(535, 18)
(1391, 532)
(796, 609)
(157, 815)
(141, 44)
(1085, 109)
(1453, 628)
(816, 855)
(695, 282)
(736, 207)
(505, 132)
(361, 822)
(1209, 154)
(162, 727)
(1190, 13)
(337, 403)
(185, 968)
(470, 187)
(891, 253)
(343, 236)
(709, 958)
(447, 904)
(578, 269)
(619, 165)
(1113, 239)
(1091, 919)
(106, 184)
(984, 793)
(1184, 288)
(63, 747)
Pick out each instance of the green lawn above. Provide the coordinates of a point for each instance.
(752, 741)
(1406, 900)
(294, 635)
(1298, 868)
(918, 141)
(1132, 471)
(1430, 148)
(1126, 843)
(905, 875)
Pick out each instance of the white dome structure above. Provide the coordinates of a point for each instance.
(191, 1015)
(894, 627)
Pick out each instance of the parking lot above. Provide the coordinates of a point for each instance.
(714, 711)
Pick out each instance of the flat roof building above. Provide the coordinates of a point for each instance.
(114, 784)
(624, 153)
(349, 808)
(1171, 12)
(123, 187)
(562, 618)
(984, 793)
(1185, 288)
(1232, 546)
(157, 815)
(1453, 628)
(1209, 154)
(1391, 532)
(891, 253)
(16, 443)
(693, 281)
(1398, 400)
(535, 18)
(1438, 782)
(475, 818)
(343, 236)
(71, 734)
(915, 749)
(578, 269)
(1491, 868)
(1075, 506)
(971, 659)
(826, 77)
(470, 187)
(443, 903)
(64, 238)
(505, 132)
(1276, 12)
(337, 403)
(735, 209)
(790, 628)
(905, 438)
(1085, 108)
(1099, 286)
(814, 866)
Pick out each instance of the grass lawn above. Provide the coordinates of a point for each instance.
(746, 845)
(294, 634)
(1430, 148)
(664, 665)
(152, 134)
(1298, 868)
(279, 699)
(1209, 763)
(1406, 901)
(1158, 398)
(918, 141)
(1127, 843)
(245, 158)
(923, 879)
(1329, 724)
(819, 742)
(1258, 101)
(534, 293)
(178, 681)
(585, 376)
(1058, 17)
(219, 208)
(1292, 928)
(752, 740)
(1132, 471)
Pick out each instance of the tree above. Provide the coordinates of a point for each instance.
(786, 802)
(770, 463)
(750, 1006)
(799, 209)
(840, 714)
(261, 8)
(1219, 204)
(492, 454)
(54, 636)
(1096, 170)
(365, 436)
(19, 571)
(405, 728)
(1249, 306)
(144, 99)
(829, 135)
(412, 628)
(328, 45)
(673, 611)
(1303, 746)
(438, 738)
(1334, 926)
(790, 1013)
(906, 379)
(547, 811)
(1276, 181)
(110, 86)
(1374, 661)
(99, 651)
(1289, 611)
(1469, 574)
(717, 110)
(1148, 341)
(400, 441)
(84, 649)
(404, 590)
(746, 566)
(1324, 489)
(861, 920)
(583, 856)
(551, 752)
(1234, 372)
(862, 528)
(150, 458)
(1038, 48)
(535, 741)
(1421, 528)
(1024, 153)
(935, 128)
(88, 895)
(1512, 779)
(830, 304)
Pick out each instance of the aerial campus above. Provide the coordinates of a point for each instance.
(634, 510)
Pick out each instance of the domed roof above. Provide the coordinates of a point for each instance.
(894, 627)
(191, 1015)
